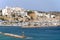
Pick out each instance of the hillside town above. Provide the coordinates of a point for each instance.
(16, 16)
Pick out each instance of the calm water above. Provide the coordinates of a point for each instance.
(52, 33)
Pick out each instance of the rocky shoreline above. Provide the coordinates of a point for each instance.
(32, 24)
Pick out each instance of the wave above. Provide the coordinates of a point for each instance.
(29, 38)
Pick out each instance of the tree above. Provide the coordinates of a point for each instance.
(13, 15)
(29, 12)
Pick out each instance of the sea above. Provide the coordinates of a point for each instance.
(43, 33)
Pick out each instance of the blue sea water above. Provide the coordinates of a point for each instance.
(47, 33)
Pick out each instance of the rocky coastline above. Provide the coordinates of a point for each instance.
(32, 24)
(15, 16)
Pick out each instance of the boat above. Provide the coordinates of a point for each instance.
(13, 35)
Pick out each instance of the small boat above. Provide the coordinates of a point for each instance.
(13, 35)
(16, 36)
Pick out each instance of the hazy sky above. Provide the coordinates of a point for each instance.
(43, 5)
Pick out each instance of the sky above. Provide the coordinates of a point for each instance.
(41, 5)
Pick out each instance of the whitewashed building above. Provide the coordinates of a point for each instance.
(40, 14)
(48, 15)
(7, 11)
(16, 10)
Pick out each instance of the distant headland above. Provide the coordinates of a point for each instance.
(15, 16)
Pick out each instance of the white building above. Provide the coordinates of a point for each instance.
(16, 10)
(48, 15)
(6, 11)
(40, 14)
(52, 16)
